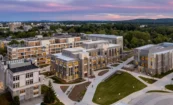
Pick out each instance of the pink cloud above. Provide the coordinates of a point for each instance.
(115, 17)
(170, 3)
(49, 7)
(134, 7)
(53, 5)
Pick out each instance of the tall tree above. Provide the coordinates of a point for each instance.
(16, 101)
(49, 96)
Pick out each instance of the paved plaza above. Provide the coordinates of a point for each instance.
(137, 98)
(154, 99)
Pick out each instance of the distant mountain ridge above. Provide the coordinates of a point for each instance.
(140, 21)
(162, 20)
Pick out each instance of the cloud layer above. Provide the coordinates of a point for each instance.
(15, 10)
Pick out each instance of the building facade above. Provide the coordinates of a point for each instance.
(110, 38)
(21, 78)
(154, 59)
(74, 63)
(41, 48)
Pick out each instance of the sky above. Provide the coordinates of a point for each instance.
(60, 10)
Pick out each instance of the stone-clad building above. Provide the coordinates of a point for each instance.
(74, 63)
(114, 39)
(21, 78)
(41, 48)
(154, 59)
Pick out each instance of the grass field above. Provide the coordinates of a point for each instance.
(169, 87)
(148, 80)
(60, 81)
(115, 65)
(163, 74)
(157, 91)
(116, 87)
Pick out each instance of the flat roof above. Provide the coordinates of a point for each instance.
(23, 68)
(160, 52)
(104, 36)
(114, 45)
(63, 57)
(146, 46)
(95, 42)
(166, 44)
(74, 49)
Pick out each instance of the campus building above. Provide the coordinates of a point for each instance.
(74, 63)
(154, 59)
(110, 38)
(21, 78)
(41, 48)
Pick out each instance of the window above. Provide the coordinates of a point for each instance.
(36, 87)
(105, 53)
(28, 82)
(28, 75)
(15, 78)
(35, 93)
(15, 85)
(22, 91)
(76, 67)
(89, 54)
(99, 53)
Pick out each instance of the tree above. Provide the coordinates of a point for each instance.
(72, 30)
(49, 96)
(15, 101)
(13, 42)
(22, 42)
(3, 51)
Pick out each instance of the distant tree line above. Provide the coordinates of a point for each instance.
(134, 36)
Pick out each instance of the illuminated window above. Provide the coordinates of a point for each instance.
(36, 87)
(36, 93)
(22, 91)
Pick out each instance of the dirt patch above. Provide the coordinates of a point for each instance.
(64, 88)
(78, 92)
(102, 73)
(60, 81)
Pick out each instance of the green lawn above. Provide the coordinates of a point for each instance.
(163, 74)
(5, 99)
(50, 73)
(157, 91)
(60, 81)
(116, 87)
(115, 65)
(102, 68)
(148, 80)
(169, 87)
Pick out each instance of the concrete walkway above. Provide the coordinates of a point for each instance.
(87, 99)
(154, 99)
(158, 85)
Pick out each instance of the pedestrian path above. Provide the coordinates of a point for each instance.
(87, 99)
(158, 85)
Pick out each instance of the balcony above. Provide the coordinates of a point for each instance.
(76, 63)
